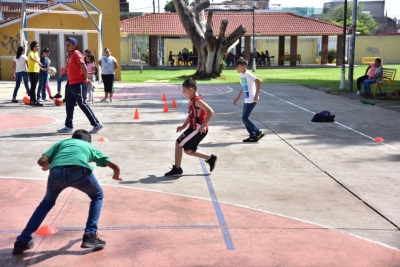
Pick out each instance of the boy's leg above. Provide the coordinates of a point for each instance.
(69, 107)
(80, 92)
(178, 155)
(26, 81)
(18, 78)
(251, 128)
(54, 188)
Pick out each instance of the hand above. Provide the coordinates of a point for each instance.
(235, 101)
(180, 128)
(88, 81)
(202, 129)
(255, 99)
(13, 78)
(40, 64)
(45, 166)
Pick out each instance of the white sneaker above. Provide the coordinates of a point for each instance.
(358, 92)
(110, 99)
(105, 100)
(96, 128)
(65, 130)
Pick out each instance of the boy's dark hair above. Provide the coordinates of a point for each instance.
(44, 50)
(241, 61)
(190, 83)
(82, 135)
(379, 60)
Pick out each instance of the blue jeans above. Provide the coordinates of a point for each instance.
(59, 81)
(251, 128)
(60, 178)
(42, 86)
(367, 85)
(76, 93)
(18, 77)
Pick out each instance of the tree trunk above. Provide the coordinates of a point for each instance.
(210, 48)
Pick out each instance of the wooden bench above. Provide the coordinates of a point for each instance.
(368, 60)
(284, 58)
(387, 79)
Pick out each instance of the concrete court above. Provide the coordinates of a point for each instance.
(308, 194)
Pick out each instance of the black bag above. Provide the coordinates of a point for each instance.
(323, 116)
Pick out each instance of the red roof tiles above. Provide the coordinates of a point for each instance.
(266, 24)
(16, 7)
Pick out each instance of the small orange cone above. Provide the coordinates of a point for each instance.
(379, 139)
(164, 97)
(102, 139)
(174, 103)
(46, 230)
(136, 116)
(166, 107)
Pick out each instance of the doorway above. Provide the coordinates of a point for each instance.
(51, 41)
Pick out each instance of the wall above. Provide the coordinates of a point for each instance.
(48, 21)
(385, 47)
(176, 46)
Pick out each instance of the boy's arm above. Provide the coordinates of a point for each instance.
(183, 126)
(210, 112)
(238, 97)
(258, 88)
(43, 162)
(116, 170)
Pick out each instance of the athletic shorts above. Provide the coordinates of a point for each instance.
(190, 139)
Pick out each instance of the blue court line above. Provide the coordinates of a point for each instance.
(217, 207)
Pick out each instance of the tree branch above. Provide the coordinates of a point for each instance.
(199, 6)
(222, 28)
(239, 32)
(209, 26)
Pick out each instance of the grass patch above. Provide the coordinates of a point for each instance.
(310, 77)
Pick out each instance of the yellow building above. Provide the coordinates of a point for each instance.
(52, 25)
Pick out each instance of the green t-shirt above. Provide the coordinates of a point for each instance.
(75, 152)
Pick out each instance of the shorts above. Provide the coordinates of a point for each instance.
(190, 139)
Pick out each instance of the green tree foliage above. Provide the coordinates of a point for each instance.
(170, 7)
(365, 22)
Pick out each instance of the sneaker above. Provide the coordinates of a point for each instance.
(45, 99)
(65, 130)
(251, 140)
(260, 135)
(105, 100)
(20, 247)
(51, 97)
(58, 95)
(358, 92)
(96, 128)
(14, 101)
(92, 241)
(212, 161)
(174, 172)
(110, 99)
(39, 100)
(37, 104)
(31, 103)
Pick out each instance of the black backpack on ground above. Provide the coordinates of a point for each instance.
(323, 116)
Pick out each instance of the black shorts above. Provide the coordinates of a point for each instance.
(190, 139)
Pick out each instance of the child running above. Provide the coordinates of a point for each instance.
(199, 115)
(68, 162)
(251, 86)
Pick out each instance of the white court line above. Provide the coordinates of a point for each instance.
(231, 204)
(344, 126)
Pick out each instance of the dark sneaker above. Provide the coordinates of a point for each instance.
(37, 104)
(251, 140)
(58, 95)
(260, 135)
(212, 161)
(14, 101)
(20, 247)
(174, 172)
(92, 241)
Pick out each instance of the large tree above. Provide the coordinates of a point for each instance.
(170, 7)
(365, 22)
(211, 49)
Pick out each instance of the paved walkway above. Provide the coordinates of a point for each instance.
(308, 194)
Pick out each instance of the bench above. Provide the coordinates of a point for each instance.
(368, 60)
(387, 79)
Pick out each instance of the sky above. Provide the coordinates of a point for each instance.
(392, 6)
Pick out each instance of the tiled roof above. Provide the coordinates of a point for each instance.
(16, 7)
(266, 24)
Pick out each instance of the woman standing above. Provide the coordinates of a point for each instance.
(108, 65)
(20, 71)
(33, 72)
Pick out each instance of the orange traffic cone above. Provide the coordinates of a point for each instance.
(379, 139)
(166, 107)
(164, 97)
(102, 139)
(136, 116)
(174, 103)
(46, 230)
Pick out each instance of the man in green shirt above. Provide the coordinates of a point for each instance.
(68, 162)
